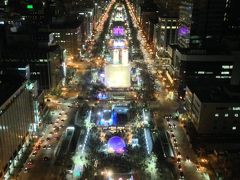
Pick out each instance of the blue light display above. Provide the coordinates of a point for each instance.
(116, 144)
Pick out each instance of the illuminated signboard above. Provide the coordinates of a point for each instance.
(29, 6)
(118, 31)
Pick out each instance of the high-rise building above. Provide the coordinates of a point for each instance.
(232, 18)
(213, 113)
(16, 121)
(68, 33)
(169, 6)
(200, 21)
(45, 64)
(165, 32)
(27, 46)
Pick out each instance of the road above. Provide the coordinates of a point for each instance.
(63, 110)
(52, 138)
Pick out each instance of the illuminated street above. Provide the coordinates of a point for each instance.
(110, 112)
(119, 90)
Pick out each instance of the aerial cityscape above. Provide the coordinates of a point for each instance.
(119, 90)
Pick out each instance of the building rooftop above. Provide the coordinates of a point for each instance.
(210, 49)
(83, 4)
(20, 52)
(8, 86)
(216, 94)
(149, 6)
(67, 22)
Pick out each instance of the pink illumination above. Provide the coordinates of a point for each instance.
(118, 31)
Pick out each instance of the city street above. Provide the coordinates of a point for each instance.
(46, 149)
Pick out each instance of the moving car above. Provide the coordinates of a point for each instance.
(26, 170)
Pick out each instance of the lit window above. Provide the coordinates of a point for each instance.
(236, 115)
(4, 127)
(234, 128)
(226, 115)
(225, 72)
(236, 108)
(227, 66)
(216, 115)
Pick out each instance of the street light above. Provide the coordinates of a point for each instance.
(109, 173)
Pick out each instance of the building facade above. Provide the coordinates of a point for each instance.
(16, 124)
(214, 111)
(69, 36)
(188, 65)
(200, 21)
(46, 64)
(165, 32)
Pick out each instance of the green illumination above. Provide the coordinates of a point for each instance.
(29, 6)
(77, 174)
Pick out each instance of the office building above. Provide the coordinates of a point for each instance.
(45, 58)
(200, 21)
(68, 33)
(165, 32)
(45, 64)
(213, 113)
(212, 65)
(16, 121)
(232, 19)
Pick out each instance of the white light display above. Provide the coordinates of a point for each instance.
(116, 56)
(117, 76)
(124, 57)
(118, 44)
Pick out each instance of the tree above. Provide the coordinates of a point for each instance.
(80, 159)
(150, 166)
